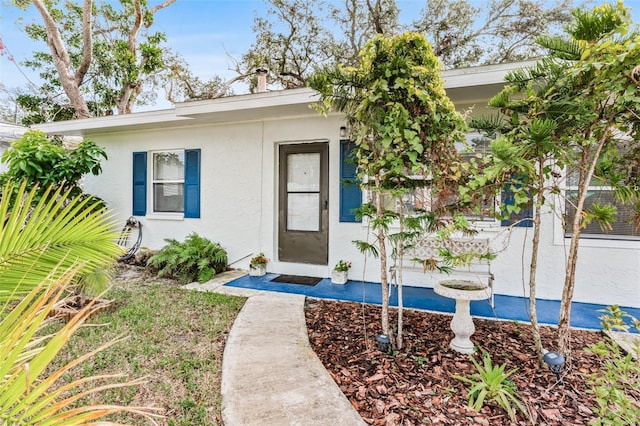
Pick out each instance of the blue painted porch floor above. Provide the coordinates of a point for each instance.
(583, 315)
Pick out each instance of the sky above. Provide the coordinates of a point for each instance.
(204, 32)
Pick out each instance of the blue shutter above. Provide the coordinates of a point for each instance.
(350, 192)
(507, 199)
(139, 183)
(192, 183)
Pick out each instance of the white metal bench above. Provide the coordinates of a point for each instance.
(473, 259)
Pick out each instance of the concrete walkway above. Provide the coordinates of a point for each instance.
(270, 374)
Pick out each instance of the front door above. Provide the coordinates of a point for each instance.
(303, 219)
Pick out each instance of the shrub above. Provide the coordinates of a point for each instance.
(615, 385)
(195, 259)
(42, 161)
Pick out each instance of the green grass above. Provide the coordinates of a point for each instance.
(175, 339)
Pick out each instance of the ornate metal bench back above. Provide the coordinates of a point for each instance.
(428, 248)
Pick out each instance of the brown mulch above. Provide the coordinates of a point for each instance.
(415, 386)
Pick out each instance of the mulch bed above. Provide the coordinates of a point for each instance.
(415, 386)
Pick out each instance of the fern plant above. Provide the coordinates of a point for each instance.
(195, 259)
(491, 383)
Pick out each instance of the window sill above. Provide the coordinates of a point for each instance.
(485, 226)
(480, 226)
(165, 216)
(605, 243)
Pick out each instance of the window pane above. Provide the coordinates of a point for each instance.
(303, 172)
(303, 212)
(621, 228)
(168, 165)
(421, 198)
(168, 197)
(475, 144)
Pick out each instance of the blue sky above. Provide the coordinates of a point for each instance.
(203, 31)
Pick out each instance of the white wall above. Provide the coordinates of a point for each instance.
(230, 183)
(239, 184)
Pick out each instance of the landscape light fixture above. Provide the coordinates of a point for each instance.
(384, 343)
(555, 361)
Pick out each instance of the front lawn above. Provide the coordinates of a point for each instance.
(176, 340)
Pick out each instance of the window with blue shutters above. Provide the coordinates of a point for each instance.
(350, 192)
(174, 183)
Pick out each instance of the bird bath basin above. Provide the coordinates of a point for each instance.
(463, 291)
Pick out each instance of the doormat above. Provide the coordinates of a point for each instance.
(296, 279)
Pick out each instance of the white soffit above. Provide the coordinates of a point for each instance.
(95, 125)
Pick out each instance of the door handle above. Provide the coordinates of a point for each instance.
(326, 204)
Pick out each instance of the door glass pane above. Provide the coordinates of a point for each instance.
(303, 172)
(303, 212)
(168, 165)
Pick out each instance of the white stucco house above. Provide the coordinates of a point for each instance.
(265, 173)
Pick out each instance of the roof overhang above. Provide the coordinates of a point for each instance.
(10, 132)
(485, 81)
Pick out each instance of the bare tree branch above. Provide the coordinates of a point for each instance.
(162, 5)
(61, 59)
(87, 41)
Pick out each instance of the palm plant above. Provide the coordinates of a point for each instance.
(42, 248)
(39, 238)
(491, 383)
(27, 396)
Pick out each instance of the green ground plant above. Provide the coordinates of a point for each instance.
(615, 385)
(194, 259)
(491, 383)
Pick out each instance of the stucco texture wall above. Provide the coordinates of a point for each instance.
(239, 183)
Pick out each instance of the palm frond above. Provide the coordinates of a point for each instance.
(561, 47)
(25, 395)
(34, 238)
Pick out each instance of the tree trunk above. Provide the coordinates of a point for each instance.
(533, 267)
(564, 320)
(399, 340)
(70, 83)
(123, 103)
(384, 282)
(131, 89)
